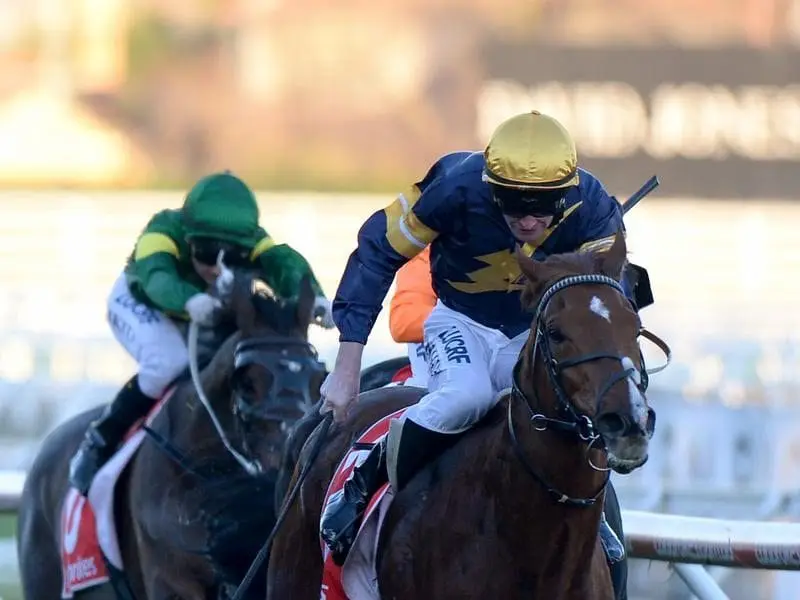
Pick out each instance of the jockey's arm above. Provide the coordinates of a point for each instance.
(386, 241)
(154, 269)
(413, 299)
(283, 267)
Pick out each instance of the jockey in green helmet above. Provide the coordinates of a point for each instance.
(167, 278)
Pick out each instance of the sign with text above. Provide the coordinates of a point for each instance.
(710, 123)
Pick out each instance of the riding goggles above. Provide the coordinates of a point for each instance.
(516, 202)
(206, 251)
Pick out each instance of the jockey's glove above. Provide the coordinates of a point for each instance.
(201, 308)
(322, 314)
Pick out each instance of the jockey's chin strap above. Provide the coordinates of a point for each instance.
(251, 467)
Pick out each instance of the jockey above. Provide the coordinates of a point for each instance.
(167, 277)
(411, 304)
(474, 209)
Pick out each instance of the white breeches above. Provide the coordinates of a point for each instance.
(419, 366)
(149, 336)
(468, 365)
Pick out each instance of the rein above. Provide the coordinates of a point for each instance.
(251, 467)
(287, 504)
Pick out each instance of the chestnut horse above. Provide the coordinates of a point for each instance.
(512, 509)
(190, 518)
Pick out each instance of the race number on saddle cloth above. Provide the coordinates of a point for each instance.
(474, 210)
(167, 278)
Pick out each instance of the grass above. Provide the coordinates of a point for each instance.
(8, 525)
(9, 590)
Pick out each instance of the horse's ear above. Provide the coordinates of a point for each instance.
(305, 301)
(536, 272)
(613, 260)
(241, 299)
(528, 266)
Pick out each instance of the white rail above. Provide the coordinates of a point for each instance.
(687, 543)
(697, 540)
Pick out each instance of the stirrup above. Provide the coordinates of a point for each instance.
(612, 546)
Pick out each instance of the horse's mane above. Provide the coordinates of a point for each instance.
(574, 262)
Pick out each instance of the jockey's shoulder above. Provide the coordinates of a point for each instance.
(168, 221)
(589, 184)
(453, 170)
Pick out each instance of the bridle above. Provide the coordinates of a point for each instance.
(292, 362)
(570, 420)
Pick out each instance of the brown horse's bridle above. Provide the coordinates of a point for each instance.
(570, 420)
(293, 363)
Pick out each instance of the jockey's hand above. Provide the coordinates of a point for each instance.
(341, 386)
(322, 314)
(201, 308)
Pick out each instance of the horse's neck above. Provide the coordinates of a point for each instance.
(191, 425)
(527, 507)
(563, 459)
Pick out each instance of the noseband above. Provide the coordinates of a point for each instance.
(570, 420)
(292, 364)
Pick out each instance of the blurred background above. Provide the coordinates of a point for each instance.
(110, 109)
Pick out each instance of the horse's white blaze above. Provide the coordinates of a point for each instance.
(638, 404)
(598, 308)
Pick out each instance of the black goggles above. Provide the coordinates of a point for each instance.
(524, 203)
(206, 251)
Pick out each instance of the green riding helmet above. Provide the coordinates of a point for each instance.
(221, 207)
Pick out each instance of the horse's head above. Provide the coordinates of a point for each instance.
(583, 360)
(276, 373)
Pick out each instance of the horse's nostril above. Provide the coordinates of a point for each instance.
(611, 425)
(651, 421)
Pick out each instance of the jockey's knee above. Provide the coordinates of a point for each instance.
(456, 402)
(159, 369)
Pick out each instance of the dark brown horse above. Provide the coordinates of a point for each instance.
(513, 508)
(190, 517)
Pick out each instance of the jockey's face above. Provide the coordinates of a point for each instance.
(206, 252)
(528, 213)
(208, 273)
(528, 229)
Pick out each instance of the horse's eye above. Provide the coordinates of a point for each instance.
(555, 334)
(245, 385)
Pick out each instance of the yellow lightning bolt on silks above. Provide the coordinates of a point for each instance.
(501, 274)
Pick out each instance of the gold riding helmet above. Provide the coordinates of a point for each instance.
(531, 162)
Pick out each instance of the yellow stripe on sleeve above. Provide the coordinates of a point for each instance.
(406, 234)
(261, 247)
(600, 245)
(153, 243)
